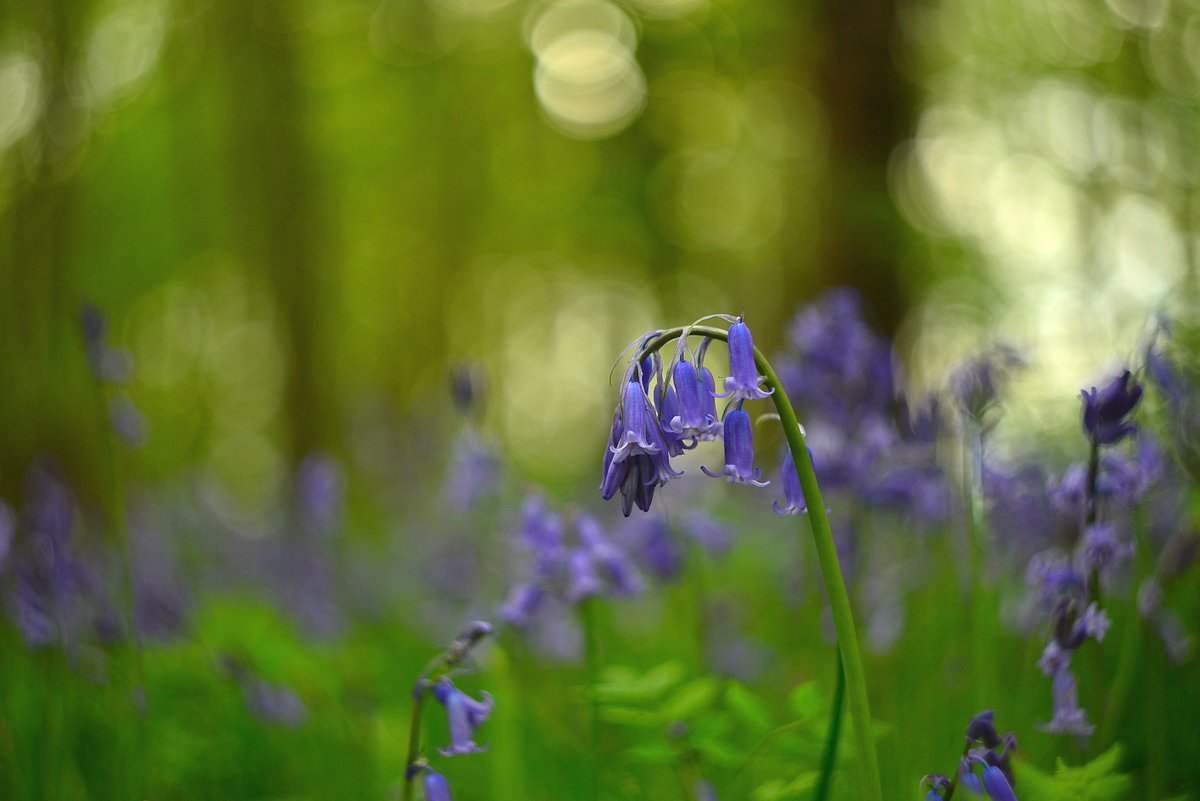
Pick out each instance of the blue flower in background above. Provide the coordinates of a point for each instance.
(464, 715)
(1105, 411)
(1068, 717)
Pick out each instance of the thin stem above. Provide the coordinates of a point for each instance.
(414, 745)
(972, 458)
(591, 662)
(829, 754)
(835, 585)
(414, 726)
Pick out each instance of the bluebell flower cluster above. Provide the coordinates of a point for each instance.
(985, 769)
(666, 411)
(869, 441)
(569, 564)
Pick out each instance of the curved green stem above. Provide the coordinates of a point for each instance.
(829, 755)
(835, 585)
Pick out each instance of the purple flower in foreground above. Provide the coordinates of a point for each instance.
(696, 416)
(1068, 717)
(636, 459)
(739, 451)
(1105, 411)
(464, 715)
(744, 379)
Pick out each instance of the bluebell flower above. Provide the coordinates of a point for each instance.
(837, 369)
(611, 560)
(1102, 549)
(937, 785)
(1068, 717)
(1069, 496)
(793, 494)
(996, 785)
(522, 604)
(739, 451)
(1055, 659)
(668, 408)
(582, 581)
(659, 550)
(436, 787)
(636, 459)
(981, 728)
(464, 715)
(744, 381)
(696, 416)
(542, 533)
(1105, 411)
(967, 778)
(974, 385)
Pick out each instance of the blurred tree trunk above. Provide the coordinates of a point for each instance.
(38, 312)
(274, 198)
(869, 110)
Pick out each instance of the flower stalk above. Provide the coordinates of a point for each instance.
(835, 585)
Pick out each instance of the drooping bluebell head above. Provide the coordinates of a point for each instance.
(739, 451)
(696, 413)
(464, 715)
(793, 495)
(636, 459)
(1106, 411)
(744, 382)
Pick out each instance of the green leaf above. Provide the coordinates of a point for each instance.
(631, 716)
(748, 708)
(691, 698)
(1096, 781)
(806, 701)
(621, 685)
